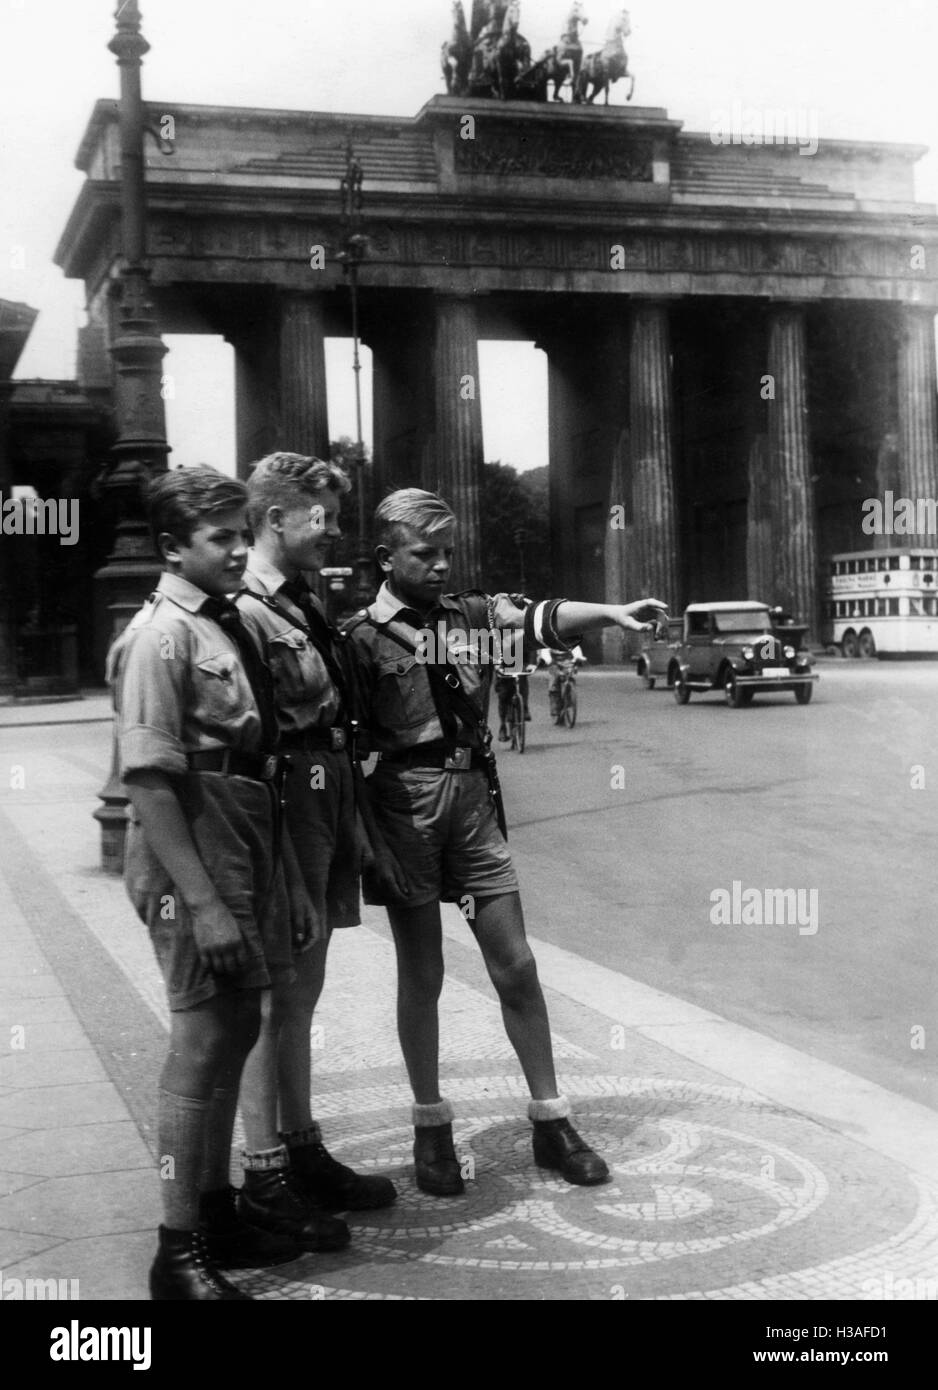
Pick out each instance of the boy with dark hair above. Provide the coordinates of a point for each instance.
(196, 738)
(432, 800)
(293, 508)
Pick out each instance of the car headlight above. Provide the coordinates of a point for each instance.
(789, 653)
(747, 653)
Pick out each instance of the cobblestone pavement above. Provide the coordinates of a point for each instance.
(741, 1169)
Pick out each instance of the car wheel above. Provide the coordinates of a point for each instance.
(803, 694)
(849, 645)
(672, 677)
(746, 696)
(681, 692)
(732, 692)
(867, 643)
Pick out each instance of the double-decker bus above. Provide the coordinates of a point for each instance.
(882, 602)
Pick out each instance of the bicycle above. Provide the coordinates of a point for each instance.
(566, 694)
(511, 708)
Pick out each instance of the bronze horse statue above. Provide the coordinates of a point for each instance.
(456, 55)
(512, 55)
(601, 69)
(533, 83)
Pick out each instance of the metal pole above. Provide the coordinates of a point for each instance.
(354, 251)
(137, 353)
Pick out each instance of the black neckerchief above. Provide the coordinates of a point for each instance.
(223, 612)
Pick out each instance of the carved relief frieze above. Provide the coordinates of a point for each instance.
(536, 247)
(504, 152)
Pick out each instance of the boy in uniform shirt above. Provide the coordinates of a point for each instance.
(293, 508)
(196, 733)
(431, 799)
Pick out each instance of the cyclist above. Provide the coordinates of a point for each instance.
(558, 660)
(505, 689)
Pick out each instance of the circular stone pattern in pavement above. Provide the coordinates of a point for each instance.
(714, 1193)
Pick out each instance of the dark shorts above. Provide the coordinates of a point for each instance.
(320, 816)
(232, 824)
(442, 829)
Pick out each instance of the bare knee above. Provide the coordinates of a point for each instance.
(516, 981)
(421, 981)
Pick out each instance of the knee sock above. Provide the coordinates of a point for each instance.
(556, 1109)
(298, 1138)
(182, 1135)
(265, 1160)
(216, 1164)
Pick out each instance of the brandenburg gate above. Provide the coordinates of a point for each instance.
(740, 337)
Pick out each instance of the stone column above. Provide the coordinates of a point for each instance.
(791, 488)
(458, 442)
(304, 421)
(652, 451)
(760, 571)
(918, 425)
(7, 611)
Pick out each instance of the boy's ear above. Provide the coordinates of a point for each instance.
(383, 557)
(168, 546)
(272, 519)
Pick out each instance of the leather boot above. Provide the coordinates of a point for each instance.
(272, 1200)
(182, 1271)
(232, 1243)
(333, 1185)
(558, 1146)
(435, 1162)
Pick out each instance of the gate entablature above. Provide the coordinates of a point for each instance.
(536, 199)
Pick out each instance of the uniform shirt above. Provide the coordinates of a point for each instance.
(399, 703)
(179, 684)
(304, 692)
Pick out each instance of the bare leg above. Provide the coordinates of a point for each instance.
(499, 930)
(418, 938)
(259, 1079)
(293, 1059)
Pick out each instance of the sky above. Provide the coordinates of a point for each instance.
(860, 69)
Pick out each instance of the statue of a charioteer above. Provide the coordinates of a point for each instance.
(491, 58)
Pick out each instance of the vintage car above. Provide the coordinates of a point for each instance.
(740, 648)
(657, 659)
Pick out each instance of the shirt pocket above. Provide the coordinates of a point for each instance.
(222, 690)
(402, 695)
(297, 669)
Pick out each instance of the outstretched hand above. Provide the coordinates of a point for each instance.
(644, 615)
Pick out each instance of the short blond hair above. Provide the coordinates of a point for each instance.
(285, 480)
(411, 506)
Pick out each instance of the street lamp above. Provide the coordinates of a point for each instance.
(354, 252)
(137, 353)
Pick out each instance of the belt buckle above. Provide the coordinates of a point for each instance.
(458, 760)
(269, 767)
(337, 739)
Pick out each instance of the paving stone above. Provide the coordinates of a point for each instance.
(61, 1152)
(32, 1069)
(52, 1107)
(85, 1205)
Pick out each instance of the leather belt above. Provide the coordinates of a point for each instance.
(461, 759)
(262, 767)
(334, 738)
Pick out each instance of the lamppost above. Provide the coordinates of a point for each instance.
(137, 352)
(354, 252)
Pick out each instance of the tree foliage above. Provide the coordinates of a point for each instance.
(515, 531)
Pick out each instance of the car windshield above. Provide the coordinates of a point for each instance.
(744, 621)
